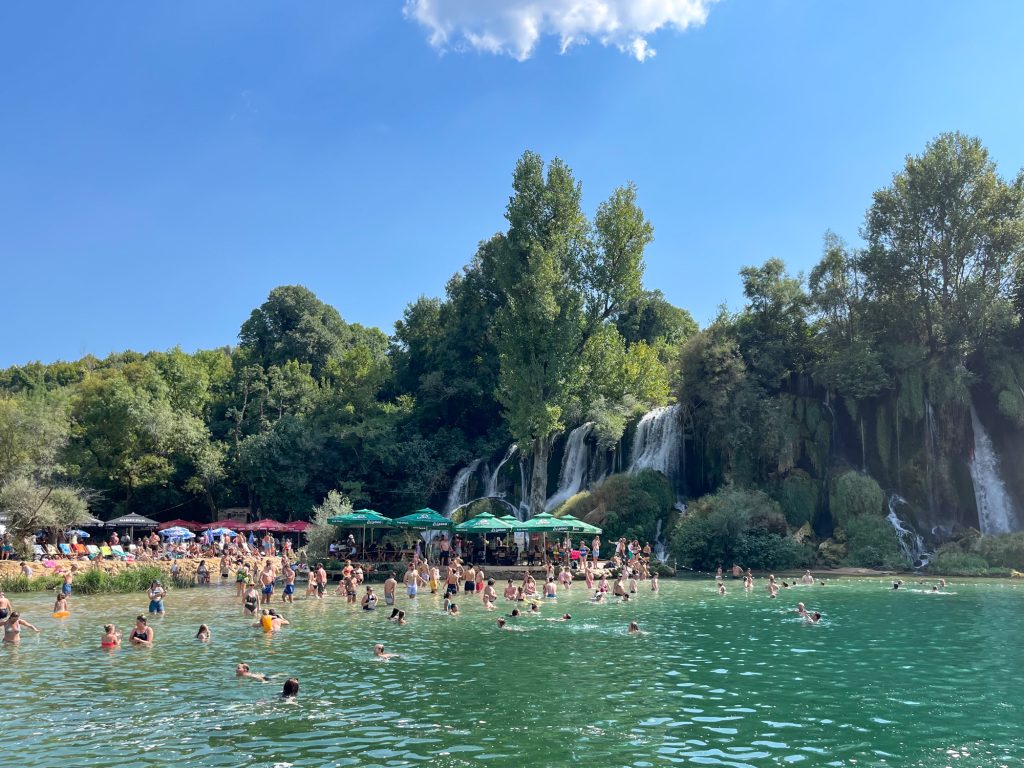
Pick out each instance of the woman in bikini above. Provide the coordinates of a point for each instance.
(12, 628)
(142, 634)
(111, 637)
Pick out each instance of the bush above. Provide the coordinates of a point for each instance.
(577, 506)
(871, 543)
(797, 495)
(736, 526)
(90, 582)
(633, 504)
(951, 560)
(1002, 551)
(853, 494)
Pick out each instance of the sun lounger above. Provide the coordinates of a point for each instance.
(80, 550)
(37, 552)
(93, 550)
(65, 549)
(106, 551)
(52, 551)
(119, 552)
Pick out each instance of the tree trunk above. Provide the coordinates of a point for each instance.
(539, 480)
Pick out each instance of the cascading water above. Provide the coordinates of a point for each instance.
(995, 508)
(574, 466)
(459, 493)
(911, 544)
(523, 510)
(658, 441)
(492, 481)
(660, 551)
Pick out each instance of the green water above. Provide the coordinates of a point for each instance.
(904, 679)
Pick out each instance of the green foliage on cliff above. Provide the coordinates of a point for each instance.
(736, 526)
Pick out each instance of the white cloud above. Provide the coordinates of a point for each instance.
(514, 27)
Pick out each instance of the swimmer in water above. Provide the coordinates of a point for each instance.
(654, 582)
(242, 670)
(721, 588)
(60, 605)
(378, 651)
(291, 688)
(634, 628)
(501, 623)
(142, 634)
(400, 619)
(515, 614)
(111, 637)
(813, 618)
(203, 635)
(800, 610)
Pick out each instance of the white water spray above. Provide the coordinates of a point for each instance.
(492, 481)
(574, 466)
(459, 493)
(660, 551)
(658, 441)
(995, 508)
(911, 543)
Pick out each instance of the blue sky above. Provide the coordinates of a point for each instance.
(164, 166)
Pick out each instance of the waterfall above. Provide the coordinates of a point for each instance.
(911, 543)
(657, 442)
(459, 494)
(995, 509)
(660, 552)
(574, 466)
(523, 511)
(492, 481)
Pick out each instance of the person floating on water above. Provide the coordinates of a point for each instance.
(291, 688)
(60, 606)
(242, 670)
(378, 651)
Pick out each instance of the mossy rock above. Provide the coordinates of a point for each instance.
(831, 553)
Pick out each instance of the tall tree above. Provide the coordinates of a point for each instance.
(559, 278)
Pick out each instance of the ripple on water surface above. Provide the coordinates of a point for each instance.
(735, 680)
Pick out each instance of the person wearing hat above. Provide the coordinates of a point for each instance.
(156, 597)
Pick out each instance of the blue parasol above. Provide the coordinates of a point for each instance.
(177, 533)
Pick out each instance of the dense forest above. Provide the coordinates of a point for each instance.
(888, 380)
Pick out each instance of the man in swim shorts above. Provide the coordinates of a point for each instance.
(266, 580)
(389, 589)
(289, 583)
(412, 581)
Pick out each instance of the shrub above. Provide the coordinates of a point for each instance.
(1002, 551)
(951, 560)
(797, 495)
(871, 543)
(853, 494)
(633, 504)
(577, 506)
(735, 526)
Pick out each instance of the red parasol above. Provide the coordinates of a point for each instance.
(186, 524)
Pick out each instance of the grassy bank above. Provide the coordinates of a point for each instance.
(93, 581)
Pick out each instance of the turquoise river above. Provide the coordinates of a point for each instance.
(888, 678)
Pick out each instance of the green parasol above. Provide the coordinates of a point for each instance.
(424, 519)
(545, 523)
(580, 526)
(362, 519)
(485, 522)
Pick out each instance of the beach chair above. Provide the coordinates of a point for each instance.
(65, 549)
(106, 551)
(80, 550)
(118, 551)
(52, 551)
(93, 550)
(37, 552)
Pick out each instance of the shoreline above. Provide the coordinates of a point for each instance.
(11, 569)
